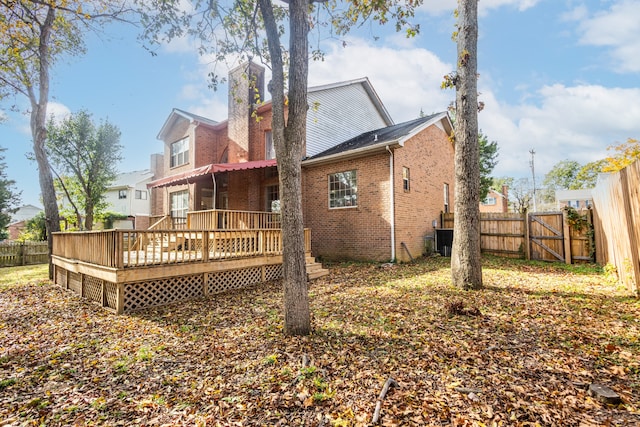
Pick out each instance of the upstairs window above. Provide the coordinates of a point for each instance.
(141, 195)
(406, 184)
(489, 201)
(122, 194)
(446, 197)
(180, 152)
(343, 190)
(269, 148)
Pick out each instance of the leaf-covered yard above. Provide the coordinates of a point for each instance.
(545, 333)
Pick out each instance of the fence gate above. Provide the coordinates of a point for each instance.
(546, 236)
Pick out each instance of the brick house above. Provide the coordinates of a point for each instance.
(371, 188)
(496, 201)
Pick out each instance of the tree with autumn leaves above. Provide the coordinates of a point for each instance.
(256, 30)
(571, 175)
(33, 36)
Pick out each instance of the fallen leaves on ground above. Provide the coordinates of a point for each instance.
(538, 336)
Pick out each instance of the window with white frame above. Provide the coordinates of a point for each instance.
(141, 194)
(122, 194)
(406, 181)
(273, 198)
(343, 189)
(179, 204)
(180, 152)
(489, 201)
(269, 148)
(446, 197)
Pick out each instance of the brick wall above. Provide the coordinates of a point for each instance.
(364, 232)
(361, 232)
(430, 159)
(209, 146)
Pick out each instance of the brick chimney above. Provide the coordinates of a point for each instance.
(246, 88)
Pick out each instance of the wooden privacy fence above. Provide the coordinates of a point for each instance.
(617, 223)
(23, 253)
(545, 236)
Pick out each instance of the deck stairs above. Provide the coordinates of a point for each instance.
(315, 269)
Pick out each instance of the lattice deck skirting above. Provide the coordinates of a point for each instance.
(131, 296)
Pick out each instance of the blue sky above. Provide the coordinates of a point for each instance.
(559, 76)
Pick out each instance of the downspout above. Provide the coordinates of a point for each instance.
(392, 206)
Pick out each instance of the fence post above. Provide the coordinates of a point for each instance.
(21, 257)
(527, 235)
(566, 234)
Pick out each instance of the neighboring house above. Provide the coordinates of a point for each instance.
(129, 195)
(577, 199)
(20, 218)
(496, 201)
(371, 189)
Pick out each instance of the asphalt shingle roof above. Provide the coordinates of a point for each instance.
(378, 136)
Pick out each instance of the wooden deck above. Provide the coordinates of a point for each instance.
(127, 270)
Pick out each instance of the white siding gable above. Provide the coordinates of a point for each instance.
(339, 113)
(129, 183)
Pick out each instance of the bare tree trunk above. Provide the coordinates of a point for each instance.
(289, 143)
(466, 263)
(39, 135)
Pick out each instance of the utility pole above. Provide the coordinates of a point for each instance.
(533, 174)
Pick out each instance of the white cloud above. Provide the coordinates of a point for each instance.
(576, 122)
(439, 7)
(617, 29)
(406, 79)
(213, 108)
(568, 122)
(58, 111)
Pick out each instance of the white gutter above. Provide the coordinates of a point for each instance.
(391, 206)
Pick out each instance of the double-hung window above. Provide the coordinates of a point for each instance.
(446, 197)
(141, 195)
(490, 201)
(343, 189)
(180, 152)
(179, 204)
(406, 179)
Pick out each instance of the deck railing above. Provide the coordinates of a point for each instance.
(216, 219)
(134, 248)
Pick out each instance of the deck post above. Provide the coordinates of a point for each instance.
(120, 298)
(205, 246)
(104, 293)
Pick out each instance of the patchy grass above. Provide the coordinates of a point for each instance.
(544, 332)
(24, 274)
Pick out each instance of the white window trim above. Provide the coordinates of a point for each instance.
(355, 171)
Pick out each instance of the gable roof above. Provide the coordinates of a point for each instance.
(177, 115)
(497, 193)
(368, 87)
(130, 179)
(379, 139)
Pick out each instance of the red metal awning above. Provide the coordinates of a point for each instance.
(189, 176)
